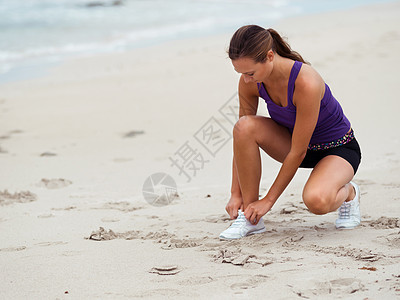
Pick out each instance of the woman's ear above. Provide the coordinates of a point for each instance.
(270, 55)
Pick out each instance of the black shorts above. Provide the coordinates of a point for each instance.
(350, 152)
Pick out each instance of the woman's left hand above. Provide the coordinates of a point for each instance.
(255, 210)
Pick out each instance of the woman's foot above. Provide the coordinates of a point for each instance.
(241, 227)
(349, 212)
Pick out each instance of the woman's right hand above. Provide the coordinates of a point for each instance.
(234, 203)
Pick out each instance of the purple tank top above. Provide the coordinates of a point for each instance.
(332, 124)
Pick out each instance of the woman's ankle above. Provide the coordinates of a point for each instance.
(352, 192)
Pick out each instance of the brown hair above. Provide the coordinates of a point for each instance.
(254, 42)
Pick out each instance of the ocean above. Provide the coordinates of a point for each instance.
(36, 33)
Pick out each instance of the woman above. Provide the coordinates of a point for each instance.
(307, 129)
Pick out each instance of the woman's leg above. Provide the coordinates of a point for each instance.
(250, 133)
(328, 185)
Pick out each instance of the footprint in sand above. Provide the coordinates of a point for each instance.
(293, 209)
(339, 287)
(123, 206)
(54, 183)
(236, 257)
(385, 223)
(345, 285)
(7, 198)
(181, 243)
(289, 210)
(12, 249)
(104, 235)
(392, 240)
(250, 283)
(222, 218)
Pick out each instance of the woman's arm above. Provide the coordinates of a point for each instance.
(235, 188)
(309, 92)
(236, 201)
(248, 97)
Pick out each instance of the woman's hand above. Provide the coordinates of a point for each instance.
(255, 210)
(235, 203)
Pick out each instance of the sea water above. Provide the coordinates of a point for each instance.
(36, 33)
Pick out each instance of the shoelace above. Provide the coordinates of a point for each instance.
(344, 211)
(239, 221)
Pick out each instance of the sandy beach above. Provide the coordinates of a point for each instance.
(78, 144)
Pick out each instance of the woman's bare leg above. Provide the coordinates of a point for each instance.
(250, 133)
(328, 185)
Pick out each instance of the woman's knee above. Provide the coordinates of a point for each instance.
(244, 127)
(317, 200)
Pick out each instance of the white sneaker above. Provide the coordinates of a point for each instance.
(349, 212)
(242, 227)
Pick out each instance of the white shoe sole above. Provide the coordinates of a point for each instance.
(347, 227)
(251, 233)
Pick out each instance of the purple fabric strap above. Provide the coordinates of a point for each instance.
(292, 79)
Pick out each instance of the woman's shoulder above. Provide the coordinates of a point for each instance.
(309, 79)
(309, 84)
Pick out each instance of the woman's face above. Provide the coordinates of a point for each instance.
(252, 71)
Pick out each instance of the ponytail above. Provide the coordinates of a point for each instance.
(254, 42)
(281, 47)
